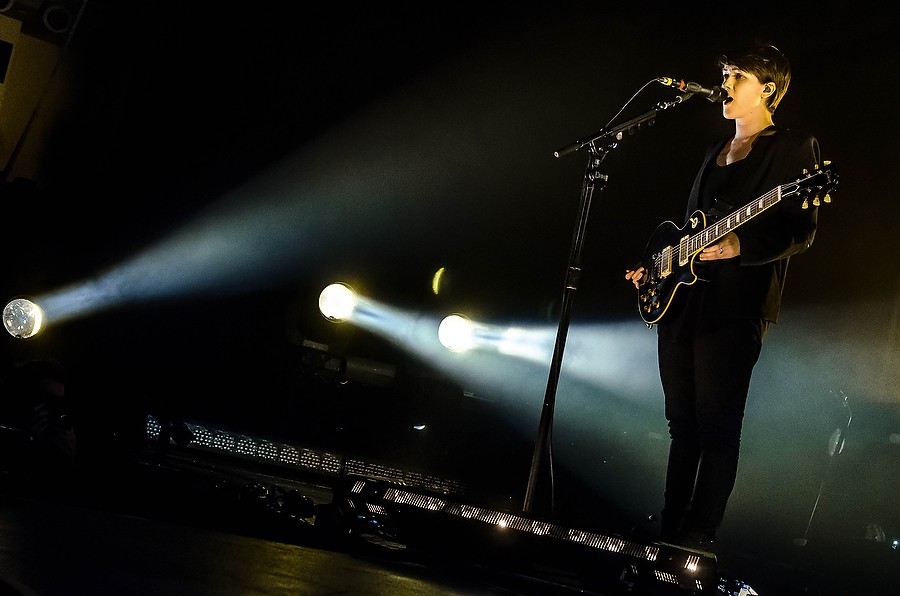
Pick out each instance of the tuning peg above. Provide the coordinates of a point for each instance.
(827, 162)
(816, 201)
(827, 198)
(804, 204)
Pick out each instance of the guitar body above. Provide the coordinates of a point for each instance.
(666, 270)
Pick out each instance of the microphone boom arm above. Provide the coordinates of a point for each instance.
(618, 132)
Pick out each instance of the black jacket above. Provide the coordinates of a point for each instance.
(750, 285)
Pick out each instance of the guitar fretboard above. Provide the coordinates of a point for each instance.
(711, 233)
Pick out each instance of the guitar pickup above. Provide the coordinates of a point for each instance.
(683, 250)
(665, 262)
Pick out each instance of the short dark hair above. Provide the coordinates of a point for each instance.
(766, 63)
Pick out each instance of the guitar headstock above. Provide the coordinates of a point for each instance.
(815, 187)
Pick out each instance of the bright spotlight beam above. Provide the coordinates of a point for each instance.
(221, 253)
(509, 361)
(278, 226)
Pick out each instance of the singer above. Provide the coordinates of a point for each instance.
(711, 335)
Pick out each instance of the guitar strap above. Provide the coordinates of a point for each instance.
(720, 208)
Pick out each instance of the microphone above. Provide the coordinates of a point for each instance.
(713, 94)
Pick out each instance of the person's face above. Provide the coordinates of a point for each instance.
(746, 94)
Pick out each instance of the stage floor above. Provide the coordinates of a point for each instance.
(50, 549)
(184, 523)
(177, 521)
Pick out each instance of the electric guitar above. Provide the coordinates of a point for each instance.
(670, 253)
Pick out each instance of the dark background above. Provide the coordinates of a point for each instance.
(423, 136)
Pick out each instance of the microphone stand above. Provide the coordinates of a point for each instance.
(599, 144)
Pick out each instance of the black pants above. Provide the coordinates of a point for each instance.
(705, 376)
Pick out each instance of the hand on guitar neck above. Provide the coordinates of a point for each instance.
(726, 248)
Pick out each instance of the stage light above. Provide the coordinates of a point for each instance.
(456, 333)
(23, 318)
(337, 302)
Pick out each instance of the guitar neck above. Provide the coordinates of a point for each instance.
(737, 218)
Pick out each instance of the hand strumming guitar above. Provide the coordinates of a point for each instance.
(637, 276)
